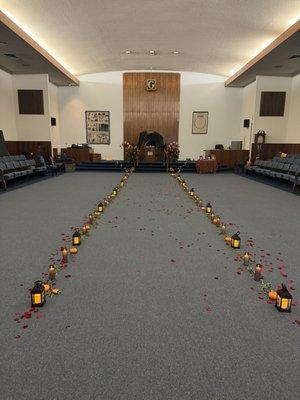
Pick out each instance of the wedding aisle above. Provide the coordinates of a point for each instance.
(152, 307)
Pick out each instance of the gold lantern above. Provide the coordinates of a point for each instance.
(257, 272)
(246, 258)
(64, 253)
(208, 208)
(96, 213)
(38, 294)
(284, 299)
(236, 241)
(114, 192)
(211, 216)
(52, 272)
(83, 230)
(121, 183)
(76, 238)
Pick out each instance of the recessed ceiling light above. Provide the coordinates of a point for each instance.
(128, 51)
(176, 52)
(152, 52)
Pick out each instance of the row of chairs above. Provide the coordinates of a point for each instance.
(12, 167)
(285, 168)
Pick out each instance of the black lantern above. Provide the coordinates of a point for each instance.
(208, 208)
(236, 240)
(76, 238)
(100, 207)
(38, 297)
(284, 299)
(121, 183)
(192, 192)
(114, 192)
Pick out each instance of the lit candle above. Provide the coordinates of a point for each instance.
(257, 272)
(91, 218)
(52, 272)
(64, 255)
(246, 258)
(223, 228)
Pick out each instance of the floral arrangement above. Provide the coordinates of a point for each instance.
(131, 150)
(173, 150)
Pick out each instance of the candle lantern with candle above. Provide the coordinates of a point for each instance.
(192, 192)
(208, 208)
(121, 183)
(51, 273)
(284, 299)
(211, 216)
(236, 241)
(64, 253)
(88, 228)
(76, 238)
(114, 192)
(83, 230)
(38, 294)
(257, 272)
(100, 207)
(246, 258)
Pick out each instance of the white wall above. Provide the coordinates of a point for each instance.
(7, 107)
(199, 92)
(32, 127)
(275, 127)
(103, 94)
(248, 110)
(224, 107)
(293, 128)
(54, 112)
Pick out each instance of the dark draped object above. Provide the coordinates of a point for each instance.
(151, 138)
(3, 149)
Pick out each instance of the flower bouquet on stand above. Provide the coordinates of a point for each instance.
(131, 152)
(172, 153)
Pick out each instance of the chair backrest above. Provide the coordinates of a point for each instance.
(293, 169)
(16, 164)
(9, 165)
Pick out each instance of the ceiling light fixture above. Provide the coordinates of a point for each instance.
(128, 51)
(175, 52)
(152, 52)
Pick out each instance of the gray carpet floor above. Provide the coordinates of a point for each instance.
(154, 306)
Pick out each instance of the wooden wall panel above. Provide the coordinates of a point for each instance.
(147, 110)
(269, 150)
(35, 147)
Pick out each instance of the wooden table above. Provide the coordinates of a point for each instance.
(81, 154)
(206, 166)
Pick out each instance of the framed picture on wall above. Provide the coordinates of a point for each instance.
(200, 122)
(97, 127)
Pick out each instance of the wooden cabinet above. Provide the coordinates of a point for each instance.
(82, 154)
(206, 166)
(229, 158)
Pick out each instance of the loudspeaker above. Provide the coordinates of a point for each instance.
(53, 121)
(246, 123)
